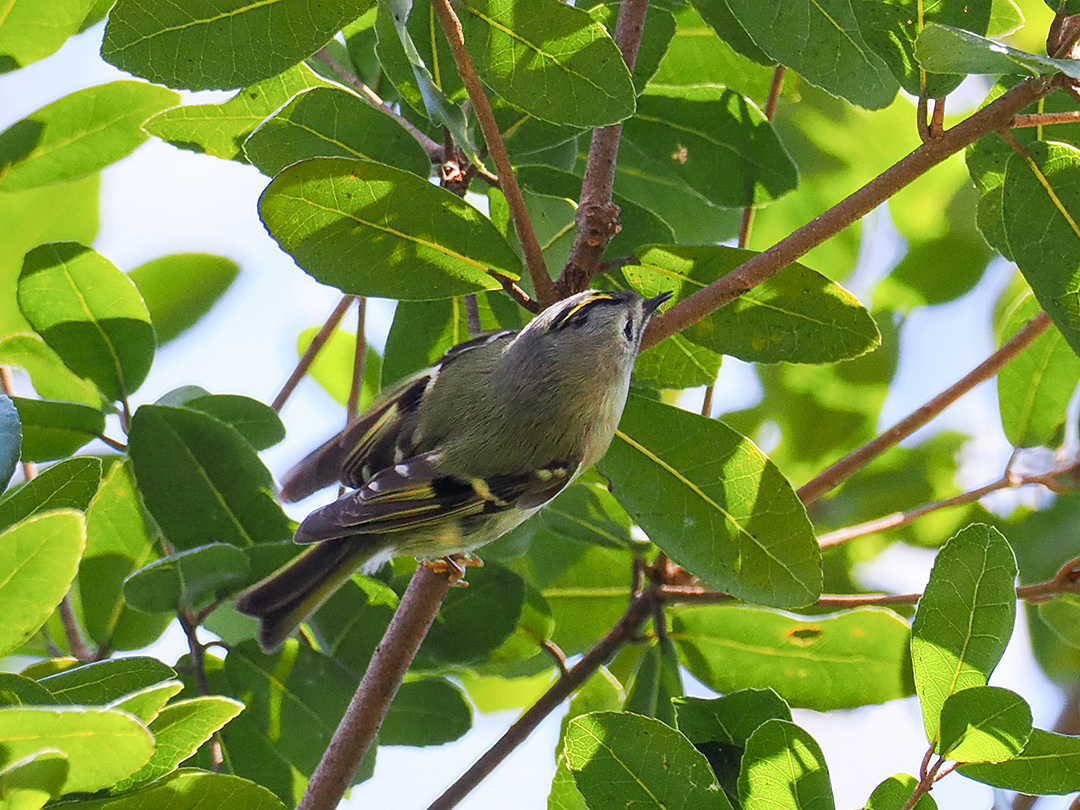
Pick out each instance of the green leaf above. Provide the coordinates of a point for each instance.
(90, 314)
(430, 711)
(187, 578)
(943, 49)
(550, 60)
(1062, 615)
(52, 430)
(710, 499)
(190, 789)
(419, 241)
(797, 316)
(728, 28)
(18, 690)
(221, 129)
(11, 436)
(715, 141)
(329, 122)
(474, 621)
(196, 48)
(677, 363)
(624, 759)
(333, 366)
(29, 782)
(178, 732)
(68, 485)
(79, 134)
(964, 619)
(117, 542)
(655, 682)
(106, 681)
(585, 511)
(33, 29)
(255, 421)
(38, 560)
(984, 724)
(147, 703)
(892, 28)
(353, 620)
(179, 289)
(102, 745)
(1035, 386)
(822, 41)
(51, 378)
(894, 792)
(1040, 210)
(656, 36)
(1049, 764)
(852, 659)
(201, 480)
(783, 768)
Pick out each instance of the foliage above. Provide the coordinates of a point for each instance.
(781, 109)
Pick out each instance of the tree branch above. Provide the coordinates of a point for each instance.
(597, 216)
(534, 258)
(994, 116)
(829, 478)
(352, 405)
(313, 348)
(434, 150)
(367, 710)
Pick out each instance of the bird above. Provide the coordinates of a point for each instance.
(458, 454)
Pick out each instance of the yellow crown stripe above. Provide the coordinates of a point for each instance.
(592, 299)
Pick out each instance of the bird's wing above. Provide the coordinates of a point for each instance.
(415, 494)
(379, 438)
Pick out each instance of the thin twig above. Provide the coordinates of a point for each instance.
(1041, 119)
(829, 478)
(352, 405)
(76, 643)
(706, 402)
(367, 710)
(7, 385)
(597, 217)
(434, 151)
(313, 348)
(472, 315)
(991, 118)
(534, 258)
(113, 443)
(197, 650)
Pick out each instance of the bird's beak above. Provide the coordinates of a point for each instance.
(652, 304)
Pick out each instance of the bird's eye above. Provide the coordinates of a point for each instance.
(628, 330)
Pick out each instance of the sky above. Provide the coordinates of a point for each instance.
(163, 200)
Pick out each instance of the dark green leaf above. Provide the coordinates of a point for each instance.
(719, 17)
(328, 122)
(179, 289)
(656, 35)
(837, 662)
(656, 681)
(624, 759)
(710, 499)
(101, 745)
(353, 620)
(943, 49)
(731, 718)
(18, 690)
(585, 511)
(10, 439)
(192, 790)
(106, 681)
(678, 363)
(79, 134)
(783, 768)
(187, 578)
(197, 48)
(430, 711)
(52, 430)
(1049, 764)
(221, 129)
(419, 241)
(90, 314)
(796, 316)
(549, 59)
(201, 480)
(255, 421)
(38, 562)
(1062, 615)
(70, 484)
(984, 724)
(965, 618)
(822, 41)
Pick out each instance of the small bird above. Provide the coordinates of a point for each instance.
(460, 453)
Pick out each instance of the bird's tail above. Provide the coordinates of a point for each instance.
(282, 600)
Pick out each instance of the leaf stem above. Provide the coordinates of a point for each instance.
(597, 217)
(7, 385)
(849, 464)
(312, 350)
(534, 258)
(367, 710)
(757, 269)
